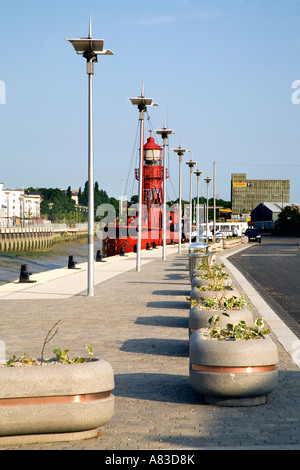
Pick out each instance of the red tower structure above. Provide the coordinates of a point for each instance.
(152, 206)
(152, 186)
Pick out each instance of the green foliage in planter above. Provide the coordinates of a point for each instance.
(23, 360)
(215, 272)
(220, 303)
(240, 331)
(62, 355)
(215, 286)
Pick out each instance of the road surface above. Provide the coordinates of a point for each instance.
(273, 268)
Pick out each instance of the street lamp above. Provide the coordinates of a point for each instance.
(208, 180)
(141, 102)
(180, 151)
(90, 48)
(191, 164)
(164, 132)
(197, 173)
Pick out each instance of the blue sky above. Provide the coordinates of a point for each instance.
(221, 72)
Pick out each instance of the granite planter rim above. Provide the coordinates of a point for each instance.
(198, 316)
(55, 399)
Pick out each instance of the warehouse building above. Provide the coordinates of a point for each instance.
(247, 194)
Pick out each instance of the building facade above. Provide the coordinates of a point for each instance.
(247, 194)
(15, 204)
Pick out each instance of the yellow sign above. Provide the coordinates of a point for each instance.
(239, 185)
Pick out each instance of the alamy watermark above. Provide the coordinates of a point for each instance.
(2, 92)
(128, 225)
(296, 94)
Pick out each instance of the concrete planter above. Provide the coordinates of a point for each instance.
(198, 317)
(233, 373)
(196, 293)
(60, 398)
(198, 281)
(231, 243)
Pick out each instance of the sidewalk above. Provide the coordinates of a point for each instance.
(138, 322)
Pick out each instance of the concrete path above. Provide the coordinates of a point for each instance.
(138, 321)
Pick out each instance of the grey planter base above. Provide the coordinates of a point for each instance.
(47, 438)
(234, 389)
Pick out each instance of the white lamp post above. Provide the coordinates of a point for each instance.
(180, 151)
(90, 48)
(207, 180)
(141, 102)
(164, 132)
(197, 173)
(191, 164)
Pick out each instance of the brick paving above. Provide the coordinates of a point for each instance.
(138, 322)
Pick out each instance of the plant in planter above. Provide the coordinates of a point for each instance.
(202, 310)
(209, 278)
(233, 365)
(60, 399)
(214, 297)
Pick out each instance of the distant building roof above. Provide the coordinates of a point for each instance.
(278, 206)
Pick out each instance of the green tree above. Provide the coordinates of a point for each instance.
(289, 220)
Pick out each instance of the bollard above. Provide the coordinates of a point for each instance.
(134, 249)
(72, 263)
(24, 274)
(147, 246)
(122, 251)
(153, 245)
(99, 257)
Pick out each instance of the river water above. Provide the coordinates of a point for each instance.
(57, 257)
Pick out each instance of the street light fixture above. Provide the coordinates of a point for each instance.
(207, 180)
(141, 102)
(191, 164)
(164, 132)
(197, 173)
(180, 151)
(90, 48)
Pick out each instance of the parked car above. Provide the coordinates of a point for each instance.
(253, 235)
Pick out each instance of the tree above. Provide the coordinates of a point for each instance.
(56, 204)
(289, 220)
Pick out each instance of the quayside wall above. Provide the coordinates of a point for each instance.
(25, 239)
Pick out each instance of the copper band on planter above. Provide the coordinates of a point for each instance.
(55, 399)
(233, 370)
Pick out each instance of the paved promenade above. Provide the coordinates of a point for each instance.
(138, 322)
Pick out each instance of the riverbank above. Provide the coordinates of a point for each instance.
(44, 260)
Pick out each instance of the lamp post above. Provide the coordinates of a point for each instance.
(90, 48)
(180, 151)
(191, 165)
(164, 132)
(208, 180)
(197, 173)
(141, 102)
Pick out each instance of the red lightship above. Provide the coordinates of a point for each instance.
(124, 239)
